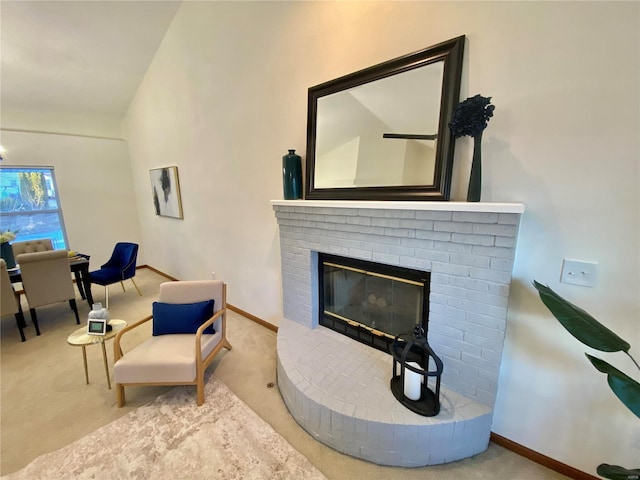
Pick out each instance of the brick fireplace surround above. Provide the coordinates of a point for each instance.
(338, 389)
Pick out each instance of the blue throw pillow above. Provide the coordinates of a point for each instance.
(181, 317)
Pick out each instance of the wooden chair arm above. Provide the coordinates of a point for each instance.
(201, 329)
(117, 351)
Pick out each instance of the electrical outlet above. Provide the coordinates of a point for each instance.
(579, 272)
(213, 275)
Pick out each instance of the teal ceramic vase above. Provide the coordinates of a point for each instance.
(6, 252)
(475, 179)
(292, 176)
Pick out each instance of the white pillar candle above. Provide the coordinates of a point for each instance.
(412, 382)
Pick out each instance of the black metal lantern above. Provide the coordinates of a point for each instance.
(411, 385)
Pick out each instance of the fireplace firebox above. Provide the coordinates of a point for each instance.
(371, 302)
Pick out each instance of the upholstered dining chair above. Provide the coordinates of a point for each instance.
(188, 332)
(10, 301)
(32, 246)
(121, 266)
(46, 280)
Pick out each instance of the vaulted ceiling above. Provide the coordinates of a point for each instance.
(77, 57)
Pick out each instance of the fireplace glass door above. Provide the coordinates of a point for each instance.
(371, 302)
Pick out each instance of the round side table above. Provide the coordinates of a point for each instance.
(80, 338)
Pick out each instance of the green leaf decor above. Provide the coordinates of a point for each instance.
(614, 472)
(592, 333)
(625, 387)
(580, 324)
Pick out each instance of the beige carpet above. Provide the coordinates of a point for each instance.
(45, 404)
(172, 438)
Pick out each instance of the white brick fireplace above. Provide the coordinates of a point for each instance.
(337, 388)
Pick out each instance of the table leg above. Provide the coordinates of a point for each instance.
(79, 284)
(86, 370)
(106, 365)
(86, 282)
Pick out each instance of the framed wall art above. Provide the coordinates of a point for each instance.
(165, 189)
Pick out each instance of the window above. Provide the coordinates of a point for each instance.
(29, 204)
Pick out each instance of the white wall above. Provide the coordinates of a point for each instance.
(94, 183)
(225, 98)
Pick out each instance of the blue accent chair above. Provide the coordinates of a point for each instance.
(121, 266)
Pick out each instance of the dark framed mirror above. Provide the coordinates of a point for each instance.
(381, 133)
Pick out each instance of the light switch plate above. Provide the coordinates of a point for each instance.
(579, 272)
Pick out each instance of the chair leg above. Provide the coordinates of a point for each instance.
(74, 307)
(122, 284)
(20, 320)
(106, 296)
(120, 395)
(19, 302)
(34, 319)
(200, 391)
(134, 284)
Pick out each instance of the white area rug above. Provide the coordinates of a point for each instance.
(172, 438)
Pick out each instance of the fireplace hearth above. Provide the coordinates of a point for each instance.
(371, 302)
(337, 388)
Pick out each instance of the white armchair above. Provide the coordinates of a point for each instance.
(46, 279)
(174, 358)
(32, 246)
(10, 300)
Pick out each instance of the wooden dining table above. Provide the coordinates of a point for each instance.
(79, 266)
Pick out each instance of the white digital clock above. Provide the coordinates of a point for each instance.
(97, 326)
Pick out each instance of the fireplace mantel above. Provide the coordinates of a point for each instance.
(481, 207)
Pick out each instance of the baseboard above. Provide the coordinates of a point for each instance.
(233, 308)
(541, 459)
(521, 450)
(258, 320)
(168, 277)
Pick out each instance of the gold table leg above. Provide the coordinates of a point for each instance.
(86, 370)
(106, 365)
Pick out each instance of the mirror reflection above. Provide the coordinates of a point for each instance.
(382, 133)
